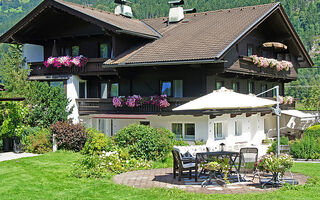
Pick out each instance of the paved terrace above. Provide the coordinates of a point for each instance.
(13, 156)
(163, 178)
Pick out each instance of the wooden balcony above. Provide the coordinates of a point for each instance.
(93, 67)
(245, 66)
(105, 106)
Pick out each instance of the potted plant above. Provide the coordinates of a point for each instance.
(277, 165)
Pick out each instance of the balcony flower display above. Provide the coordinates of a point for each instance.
(285, 100)
(272, 63)
(66, 61)
(137, 100)
(276, 165)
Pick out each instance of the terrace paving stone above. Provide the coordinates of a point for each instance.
(163, 178)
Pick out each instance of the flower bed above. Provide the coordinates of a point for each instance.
(137, 101)
(66, 61)
(272, 63)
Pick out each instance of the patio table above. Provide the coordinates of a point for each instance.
(206, 157)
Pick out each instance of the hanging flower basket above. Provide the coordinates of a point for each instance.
(67, 61)
(137, 101)
(271, 63)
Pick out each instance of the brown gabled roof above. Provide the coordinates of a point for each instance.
(200, 36)
(99, 17)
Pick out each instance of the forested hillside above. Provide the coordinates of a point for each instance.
(304, 15)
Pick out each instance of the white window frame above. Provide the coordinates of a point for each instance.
(85, 88)
(183, 130)
(214, 130)
(238, 128)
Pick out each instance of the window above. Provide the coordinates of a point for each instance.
(250, 49)
(104, 50)
(237, 128)
(177, 88)
(264, 53)
(263, 88)
(218, 130)
(114, 90)
(56, 84)
(250, 87)
(219, 85)
(189, 131)
(146, 123)
(166, 88)
(102, 125)
(65, 51)
(82, 90)
(177, 129)
(104, 90)
(172, 88)
(75, 51)
(235, 87)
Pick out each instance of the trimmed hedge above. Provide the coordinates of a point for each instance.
(145, 142)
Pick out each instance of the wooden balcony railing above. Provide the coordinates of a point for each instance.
(105, 106)
(93, 66)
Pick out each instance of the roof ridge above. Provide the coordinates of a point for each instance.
(211, 11)
(95, 9)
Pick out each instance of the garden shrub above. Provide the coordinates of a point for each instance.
(199, 142)
(283, 141)
(97, 143)
(180, 142)
(37, 141)
(308, 148)
(313, 131)
(145, 142)
(69, 136)
(107, 164)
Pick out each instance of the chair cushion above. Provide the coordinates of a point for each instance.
(188, 165)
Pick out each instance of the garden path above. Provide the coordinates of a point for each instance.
(163, 178)
(12, 156)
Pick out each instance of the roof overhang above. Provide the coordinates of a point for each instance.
(8, 37)
(120, 116)
(177, 62)
(262, 19)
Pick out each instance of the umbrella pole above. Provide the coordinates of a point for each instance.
(278, 120)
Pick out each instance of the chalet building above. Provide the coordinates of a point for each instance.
(183, 56)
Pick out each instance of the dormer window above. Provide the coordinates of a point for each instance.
(250, 49)
(104, 50)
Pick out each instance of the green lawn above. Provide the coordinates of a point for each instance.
(47, 177)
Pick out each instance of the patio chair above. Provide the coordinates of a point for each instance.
(181, 165)
(247, 159)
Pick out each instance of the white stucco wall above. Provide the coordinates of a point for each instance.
(73, 94)
(252, 133)
(33, 53)
(201, 123)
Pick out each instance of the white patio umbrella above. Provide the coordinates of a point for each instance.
(226, 99)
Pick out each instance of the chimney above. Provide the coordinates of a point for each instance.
(122, 8)
(176, 12)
